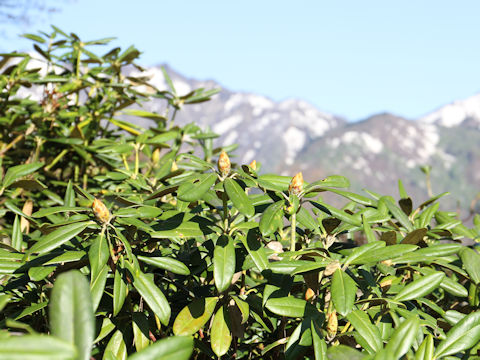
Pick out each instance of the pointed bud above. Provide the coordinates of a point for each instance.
(101, 211)
(156, 156)
(253, 165)
(224, 165)
(332, 324)
(296, 185)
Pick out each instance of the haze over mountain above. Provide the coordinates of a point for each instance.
(374, 153)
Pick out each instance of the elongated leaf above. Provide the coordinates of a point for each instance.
(173, 347)
(59, 237)
(415, 236)
(343, 290)
(58, 209)
(330, 181)
(255, 249)
(15, 172)
(368, 334)
(166, 263)
(426, 349)
(403, 337)
(120, 289)
(17, 236)
(221, 335)
(116, 348)
(319, 344)
(97, 286)
(71, 312)
(36, 347)
(383, 253)
(243, 307)
(462, 336)
(398, 214)
(194, 316)
(98, 254)
(238, 197)
(420, 287)
(194, 190)
(366, 249)
(344, 352)
(337, 213)
(288, 306)
(140, 329)
(223, 263)
(272, 218)
(471, 263)
(150, 292)
(355, 197)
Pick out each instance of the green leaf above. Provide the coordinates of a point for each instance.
(344, 291)
(71, 312)
(238, 197)
(120, 289)
(152, 295)
(383, 253)
(116, 348)
(221, 336)
(173, 347)
(15, 172)
(58, 209)
(403, 337)
(471, 263)
(337, 213)
(98, 254)
(255, 249)
(420, 287)
(360, 251)
(368, 335)
(289, 306)
(59, 236)
(344, 352)
(140, 329)
(166, 263)
(17, 237)
(36, 347)
(243, 307)
(330, 181)
(355, 197)
(194, 316)
(194, 190)
(69, 199)
(398, 214)
(223, 262)
(272, 218)
(462, 336)
(319, 344)
(426, 349)
(97, 285)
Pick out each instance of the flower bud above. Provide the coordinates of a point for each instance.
(224, 165)
(156, 156)
(296, 185)
(332, 324)
(100, 210)
(253, 165)
(309, 294)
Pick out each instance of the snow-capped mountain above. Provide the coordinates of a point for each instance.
(294, 135)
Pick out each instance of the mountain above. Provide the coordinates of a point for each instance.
(294, 135)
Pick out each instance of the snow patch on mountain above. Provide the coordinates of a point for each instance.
(227, 124)
(363, 139)
(455, 113)
(295, 140)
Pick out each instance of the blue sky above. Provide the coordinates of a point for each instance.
(352, 58)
